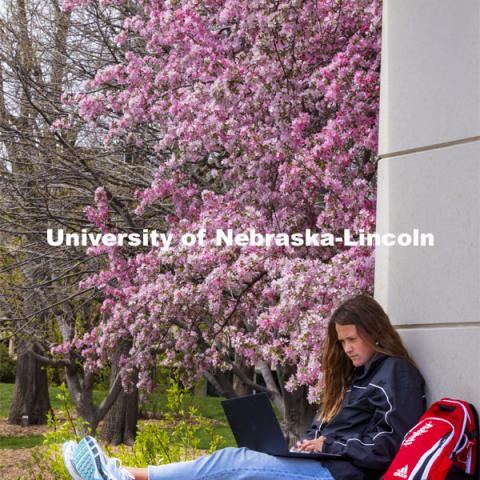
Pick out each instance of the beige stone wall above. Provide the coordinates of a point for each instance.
(429, 178)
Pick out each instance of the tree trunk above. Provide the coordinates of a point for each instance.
(31, 389)
(223, 385)
(80, 386)
(298, 414)
(239, 386)
(120, 424)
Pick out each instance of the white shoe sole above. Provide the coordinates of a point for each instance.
(67, 451)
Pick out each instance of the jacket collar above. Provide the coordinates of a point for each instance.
(364, 371)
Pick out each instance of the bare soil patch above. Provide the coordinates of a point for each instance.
(15, 463)
(7, 430)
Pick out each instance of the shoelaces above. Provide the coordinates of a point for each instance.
(117, 471)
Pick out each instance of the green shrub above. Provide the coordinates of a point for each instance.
(7, 365)
(48, 458)
(176, 437)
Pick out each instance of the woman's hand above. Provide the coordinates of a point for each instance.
(314, 446)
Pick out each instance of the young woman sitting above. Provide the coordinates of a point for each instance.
(374, 394)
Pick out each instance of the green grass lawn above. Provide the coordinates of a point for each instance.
(6, 394)
(209, 407)
(21, 442)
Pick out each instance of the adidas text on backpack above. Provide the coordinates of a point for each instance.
(445, 437)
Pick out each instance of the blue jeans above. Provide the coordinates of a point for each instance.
(241, 464)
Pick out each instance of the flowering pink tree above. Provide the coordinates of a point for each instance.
(263, 116)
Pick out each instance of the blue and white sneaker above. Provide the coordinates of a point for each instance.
(90, 463)
(68, 451)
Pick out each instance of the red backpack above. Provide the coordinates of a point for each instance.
(445, 440)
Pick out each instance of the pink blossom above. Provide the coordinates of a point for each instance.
(266, 118)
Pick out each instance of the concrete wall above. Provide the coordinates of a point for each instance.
(429, 178)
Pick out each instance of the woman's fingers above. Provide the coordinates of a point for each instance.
(307, 446)
(310, 445)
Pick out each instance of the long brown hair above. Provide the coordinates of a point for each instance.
(374, 327)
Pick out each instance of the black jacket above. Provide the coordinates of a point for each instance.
(383, 402)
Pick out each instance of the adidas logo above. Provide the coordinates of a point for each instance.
(402, 472)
